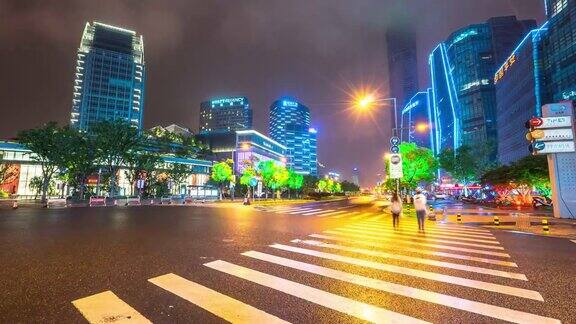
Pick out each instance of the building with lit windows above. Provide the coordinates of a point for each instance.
(519, 95)
(415, 120)
(559, 54)
(290, 126)
(462, 80)
(109, 78)
(225, 115)
(356, 176)
(244, 147)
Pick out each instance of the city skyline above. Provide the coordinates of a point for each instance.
(175, 88)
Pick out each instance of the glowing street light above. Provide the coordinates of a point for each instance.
(422, 127)
(365, 102)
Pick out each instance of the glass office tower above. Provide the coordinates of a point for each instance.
(225, 115)
(290, 126)
(110, 77)
(520, 95)
(559, 55)
(414, 116)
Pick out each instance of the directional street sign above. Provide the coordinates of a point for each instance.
(553, 147)
(535, 122)
(394, 149)
(560, 134)
(555, 122)
(395, 141)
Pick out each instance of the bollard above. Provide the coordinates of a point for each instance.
(15, 204)
(496, 221)
(545, 226)
(459, 218)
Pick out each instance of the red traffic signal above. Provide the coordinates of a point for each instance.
(535, 122)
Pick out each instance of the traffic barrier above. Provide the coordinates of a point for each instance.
(97, 200)
(459, 218)
(431, 214)
(496, 221)
(132, 201)
(545, 226)
(57, 202)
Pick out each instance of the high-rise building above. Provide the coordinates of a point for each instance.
(290, 126)
(402, 62)
(520, 94)
(559, 55)
(415, 121)
(110, 77)
(225, 115)
(463, 71)
(444, 103)
(356, 176)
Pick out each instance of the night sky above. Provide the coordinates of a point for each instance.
(315, 50)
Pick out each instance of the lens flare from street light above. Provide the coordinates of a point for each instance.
(366, 101)
(422, 127)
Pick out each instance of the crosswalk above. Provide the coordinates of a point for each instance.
(325, 211)
(453, 269)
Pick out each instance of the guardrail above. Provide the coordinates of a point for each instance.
(97, 201)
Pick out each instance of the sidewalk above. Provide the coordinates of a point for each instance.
(565, 228)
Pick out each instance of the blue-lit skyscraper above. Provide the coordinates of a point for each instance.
(444, 103)
(416, 113)
(290, 126)
(462, 70)
(110, 77)
(225, 115)
(519, 95)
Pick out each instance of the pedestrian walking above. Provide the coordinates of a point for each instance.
(396, 209)
(420, 206)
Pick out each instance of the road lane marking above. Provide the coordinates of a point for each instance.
(361, 216)
(502, 289)
(459, 228)
(492, 311)
(339, 303)
(436, 263)
(573, 241)
(428, 229)
(415, 237)
(225, 307)
(374, 218)
(106, 307)
(331, 213)
(418, 234)
(404, 242)
(417, 250)
(307, 210)
(318, 212)
(343, 215)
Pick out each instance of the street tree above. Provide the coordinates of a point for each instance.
(49, 144)
(418, 165)
(116, 141)
(348, 186)
(467, 164)
(178, 173)
(295, 181)
(221, 174)
(141, 166)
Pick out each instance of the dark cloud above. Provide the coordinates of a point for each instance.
(197, 49)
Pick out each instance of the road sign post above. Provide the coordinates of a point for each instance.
(553, 134)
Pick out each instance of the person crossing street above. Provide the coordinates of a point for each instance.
(420, 207)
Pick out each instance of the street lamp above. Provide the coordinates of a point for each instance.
(365, 102)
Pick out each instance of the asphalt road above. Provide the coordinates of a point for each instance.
(354, 267)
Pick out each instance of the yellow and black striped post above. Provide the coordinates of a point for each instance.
(496, 221)
(545, 226)
(459, 218)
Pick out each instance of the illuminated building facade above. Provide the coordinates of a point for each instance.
(414, 117)
(290, 126)
(225, 115)
(464, 95)
(519, 95)
(109, 78)
(559, 55)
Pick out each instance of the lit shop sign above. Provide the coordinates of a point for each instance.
(229, 101)
(475, 84)
(500, 73)
(410, 106)
(287, 103)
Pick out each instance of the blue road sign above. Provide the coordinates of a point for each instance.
(394, 141)
(395, 149)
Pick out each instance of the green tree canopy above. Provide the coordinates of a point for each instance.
(295, 180)
(467, 164)
(418, 165)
